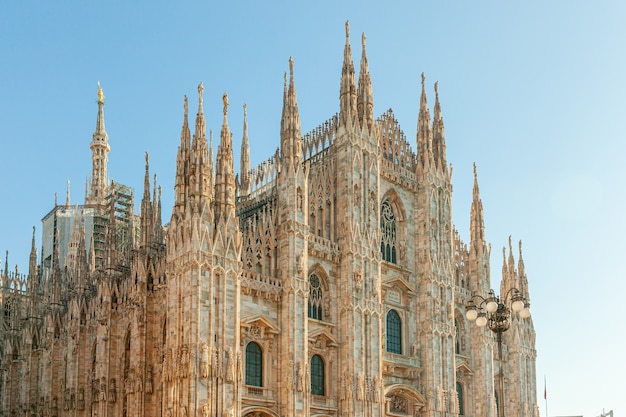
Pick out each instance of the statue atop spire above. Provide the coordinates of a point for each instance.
(186, 105)
(200, 90)
(100, 94)
(225, 100)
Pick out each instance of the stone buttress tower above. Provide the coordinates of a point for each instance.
(480, 341)
(519, 351)
(434, 268)
(202, 360)
(292, 258)
(360, 331)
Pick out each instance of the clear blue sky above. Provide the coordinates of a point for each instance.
(532, 91)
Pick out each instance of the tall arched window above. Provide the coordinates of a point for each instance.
(315, 297)
(254, 365)
(317, 375)
(394, 332)
(388, 232)
(459, 393)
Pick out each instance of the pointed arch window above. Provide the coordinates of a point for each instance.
(316, 296)
(254, 365)
(317, 375)
(394, 332)
(388, 232)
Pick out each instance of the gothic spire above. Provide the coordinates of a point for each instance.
(182, 161)
(6, 268)
(199, 160)
(347, 90)
(225, 173)
(244, 165)
(210, 161)
(477, 224)
(365, 101)
(185, 135)
(100, 149)
(291, 136)
(424, 134)
(32, 265)
(200, 131)
(522, 272)
(146, 208)
(439, 135)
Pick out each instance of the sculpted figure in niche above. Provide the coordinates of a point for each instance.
(230, 366)
(112, 390)
(360, 394)
(54, 410)
(66, 400)
(239, 367)
(149, 380)
(204, 361)
(128, 385)
(139, 385)
(103, 389)
(298, 371)
(81, 399)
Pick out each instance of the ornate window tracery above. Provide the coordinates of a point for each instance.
(316, 297)
(388, 232)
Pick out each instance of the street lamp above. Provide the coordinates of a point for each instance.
(495, 312)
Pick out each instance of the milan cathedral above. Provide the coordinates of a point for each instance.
(327, 281)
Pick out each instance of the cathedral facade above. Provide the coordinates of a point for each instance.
(327, 281)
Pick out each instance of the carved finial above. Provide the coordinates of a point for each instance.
(475, 175)
(147, 158)
(291, 67)
(510, 245)
(423, 79)
(363, 40)
(245, 107)
(520, 249)
(186, 107)
(347, 29)
(437, 90)
(100, 94)
(225, 100)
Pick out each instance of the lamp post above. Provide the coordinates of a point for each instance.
(495, 313)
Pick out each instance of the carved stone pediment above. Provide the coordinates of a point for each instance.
(321, 339)
(258, 327)
(400, 283)
(463, 371)
(403, 400)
